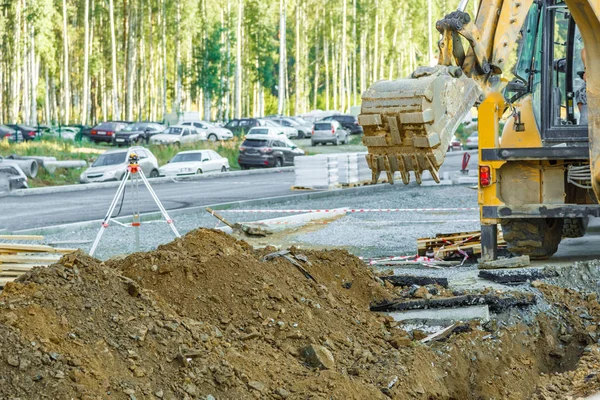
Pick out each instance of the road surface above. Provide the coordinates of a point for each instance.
(60, 208)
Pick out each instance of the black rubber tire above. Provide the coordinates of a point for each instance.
(244, 167)
(313, 144)
(574, 227)
(154, 174)
(198, 171)
(223, 169)
(212, 137)
(278, 163)
(536, 237)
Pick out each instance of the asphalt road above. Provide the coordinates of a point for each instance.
(26, 212)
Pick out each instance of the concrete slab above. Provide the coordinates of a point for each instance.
(445, 314)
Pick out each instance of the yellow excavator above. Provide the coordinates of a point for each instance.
(523, 62)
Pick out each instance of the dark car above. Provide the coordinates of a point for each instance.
(240, 127)
(10, 134)
(257, 151)
(137, 133)
(349, 123)
(105, 131)
(28, 132)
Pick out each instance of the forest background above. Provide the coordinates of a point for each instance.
(84, 61)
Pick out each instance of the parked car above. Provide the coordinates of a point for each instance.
(176, 135)
(105, 131)
(240, 127)
(210, 131)
(10, 134)
(455, 144)
(328, 132)
(14, 175)
(28, 132)
(137, 133)
(289, 131)
(267, 130)
(63, 132)
(112, 165)
(303, 129)
(349, 122)
(266, 151)
(473, 141)
(194, 162)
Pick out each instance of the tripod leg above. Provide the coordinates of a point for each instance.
(111, 209)
(159, 204)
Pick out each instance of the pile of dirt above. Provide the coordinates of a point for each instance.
(204, 317)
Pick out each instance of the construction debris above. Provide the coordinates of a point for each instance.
(457, 327)
(498, 302)
(408, 280)
(454, 245)
(514, 262)
(518, 277)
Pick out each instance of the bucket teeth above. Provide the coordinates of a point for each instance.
(408, 123)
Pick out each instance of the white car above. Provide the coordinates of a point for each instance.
(288, 130)
(210, 131)
(194, 162)
(267, 130)
(112, 165)
(176, 134)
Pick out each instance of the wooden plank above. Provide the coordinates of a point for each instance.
(34, 248)
(27, 259)
(11, 273)
(21, 237)
(5, 280)
(20, 267)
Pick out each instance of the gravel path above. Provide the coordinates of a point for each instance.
(364, 234)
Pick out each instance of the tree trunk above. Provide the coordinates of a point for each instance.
(86, 50)
(282, 60)
(116, 114)
(326, 54)
(316, 77)
(164, 66)
(376, 43)
(131, 50)
(343, 60)
(67, 95)
(238, 62)
(297, 63)
(354, 44)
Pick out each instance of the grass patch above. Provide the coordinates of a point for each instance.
(69, 150)
(356, 140)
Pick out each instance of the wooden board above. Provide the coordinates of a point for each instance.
(21, 237)
(27, 259)
(20, 267)
(33, 248)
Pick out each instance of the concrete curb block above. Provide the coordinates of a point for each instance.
(296, 221)
(221, 206)
(114, 184)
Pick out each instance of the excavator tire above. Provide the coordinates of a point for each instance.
(574, 227)
(536, 237)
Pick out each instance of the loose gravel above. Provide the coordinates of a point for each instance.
(363, 234)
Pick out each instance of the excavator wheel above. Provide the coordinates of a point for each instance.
(536, 237)
(574, 227)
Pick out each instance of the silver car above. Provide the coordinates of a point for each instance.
(210, 131)
(328, 132)
(112, 165)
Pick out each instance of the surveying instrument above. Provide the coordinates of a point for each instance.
(135, 173)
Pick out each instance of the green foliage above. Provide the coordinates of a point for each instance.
(68, 150)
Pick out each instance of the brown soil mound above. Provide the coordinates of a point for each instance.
(204, 317)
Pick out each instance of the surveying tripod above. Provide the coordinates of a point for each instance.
(135, 172)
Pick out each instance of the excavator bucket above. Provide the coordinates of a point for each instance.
(408, 123)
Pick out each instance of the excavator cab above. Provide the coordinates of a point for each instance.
(537, 178)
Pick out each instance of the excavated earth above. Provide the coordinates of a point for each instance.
(203, 317)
